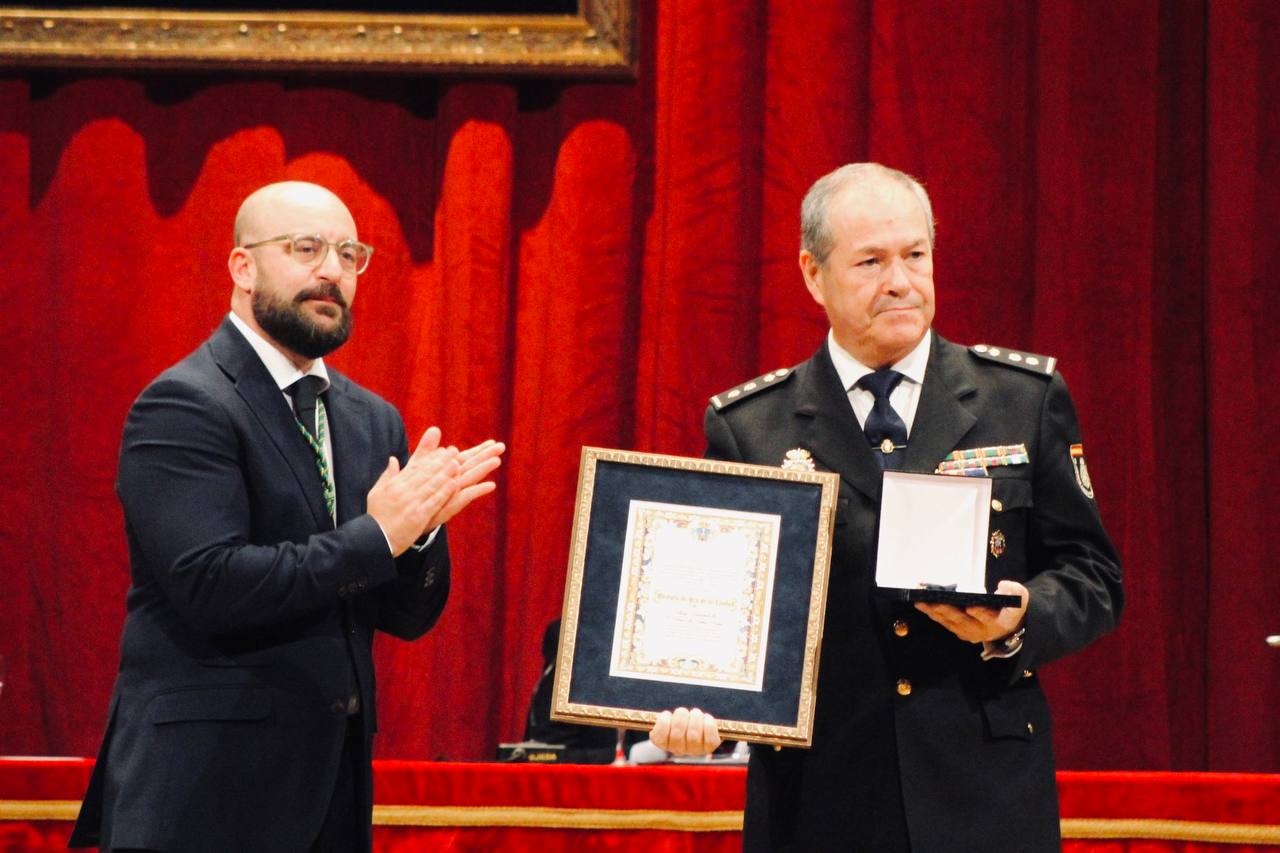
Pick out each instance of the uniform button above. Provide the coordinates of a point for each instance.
(904, 687)
(1026, 673)
(353, 704)
(338, 707)
(429, 578)
(996, 505)
(1031, 729)
(900, 628)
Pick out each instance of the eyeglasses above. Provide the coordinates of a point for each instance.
(310, 250)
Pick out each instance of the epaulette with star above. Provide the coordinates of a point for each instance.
(741, 392)
(1029, 361)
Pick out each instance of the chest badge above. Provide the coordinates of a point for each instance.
(798, 459)
(996, 543)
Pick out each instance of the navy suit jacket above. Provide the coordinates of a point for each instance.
(917, 741)
(250, 615)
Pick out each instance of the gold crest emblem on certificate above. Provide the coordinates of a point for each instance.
(798, 459)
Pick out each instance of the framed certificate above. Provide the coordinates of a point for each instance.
(698, 583)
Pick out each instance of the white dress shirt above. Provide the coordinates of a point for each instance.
(284, 373)
(905, 397)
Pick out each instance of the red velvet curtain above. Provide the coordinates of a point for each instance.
(568, 264)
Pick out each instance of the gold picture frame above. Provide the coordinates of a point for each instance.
(596, 43)
(611, 484)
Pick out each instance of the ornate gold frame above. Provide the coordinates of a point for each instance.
(598, 42)
(565, 710)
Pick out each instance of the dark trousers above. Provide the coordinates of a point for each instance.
(348, 826)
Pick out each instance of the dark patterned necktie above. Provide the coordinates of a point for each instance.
(884, 428)
(305, 392)
(313, 426)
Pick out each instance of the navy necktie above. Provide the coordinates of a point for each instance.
(884, 428)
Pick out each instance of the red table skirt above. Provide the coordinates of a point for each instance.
(426, 806)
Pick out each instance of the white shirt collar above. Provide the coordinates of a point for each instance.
(281, 369)
(912, 365)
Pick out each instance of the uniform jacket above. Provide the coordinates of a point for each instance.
(963, 762)
(250, 616)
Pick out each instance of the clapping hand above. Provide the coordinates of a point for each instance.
(433, 486)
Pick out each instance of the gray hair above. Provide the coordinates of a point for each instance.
(815, 231)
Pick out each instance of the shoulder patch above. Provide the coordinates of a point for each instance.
(741, 392)
(1029, 361)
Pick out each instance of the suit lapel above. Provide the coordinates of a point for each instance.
(942, 419)
(255, 386)
(834, 437)
(349, 432)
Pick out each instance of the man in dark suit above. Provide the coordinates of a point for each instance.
(275, 520)
(931, 730)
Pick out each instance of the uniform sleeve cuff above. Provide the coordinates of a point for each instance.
(1005, 648)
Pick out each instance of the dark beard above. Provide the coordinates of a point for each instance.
(288, 324)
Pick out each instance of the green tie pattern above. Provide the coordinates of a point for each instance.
(322, 464)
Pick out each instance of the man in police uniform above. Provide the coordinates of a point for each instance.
(931, 730)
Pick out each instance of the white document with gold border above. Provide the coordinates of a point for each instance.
(694, 594)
